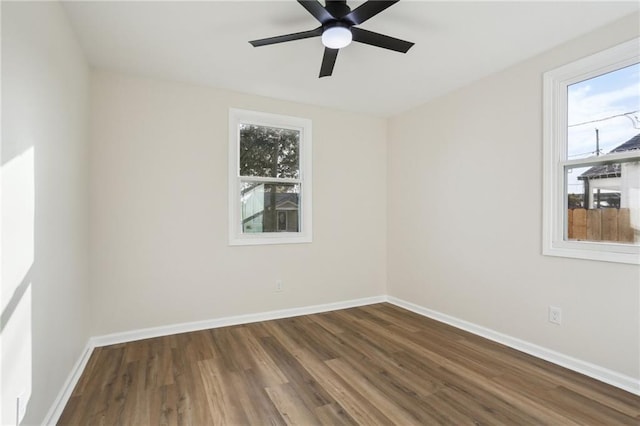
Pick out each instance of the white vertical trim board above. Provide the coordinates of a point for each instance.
(602, 374)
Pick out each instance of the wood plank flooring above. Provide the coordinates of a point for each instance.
(371, 365)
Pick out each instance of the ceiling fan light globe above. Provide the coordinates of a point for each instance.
(336, 37)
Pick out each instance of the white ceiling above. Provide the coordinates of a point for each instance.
(206, 43)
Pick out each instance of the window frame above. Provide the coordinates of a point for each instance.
(555, 205)
(303, 125)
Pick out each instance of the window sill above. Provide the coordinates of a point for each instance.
(269, 238)
(604, 252)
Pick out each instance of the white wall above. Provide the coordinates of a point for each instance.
(464, 211)
(159, 209)
(398, 209)
(45, 86)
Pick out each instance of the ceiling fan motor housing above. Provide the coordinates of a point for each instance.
(337, 24)
(338, 8)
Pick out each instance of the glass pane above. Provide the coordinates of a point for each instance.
(604, 203)
(269, 151)
(603, 114)
(270, 207)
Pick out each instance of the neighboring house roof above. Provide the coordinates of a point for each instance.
(285, 200)
(611, 170)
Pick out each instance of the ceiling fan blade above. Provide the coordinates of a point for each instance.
(368, 10)
(380, 40)
(317, 10)
(287, 37)
(328, 61)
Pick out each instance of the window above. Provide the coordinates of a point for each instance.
(592, 157)
(269, 178)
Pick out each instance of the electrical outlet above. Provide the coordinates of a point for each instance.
(279, 286)
(555, 315)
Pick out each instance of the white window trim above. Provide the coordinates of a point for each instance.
(555, 83)
(236, 236)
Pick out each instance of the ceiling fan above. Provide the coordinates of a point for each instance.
(338, 29)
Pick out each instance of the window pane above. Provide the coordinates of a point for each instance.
(269, 151)
(270, 207)
(604, 203)
(603, 114)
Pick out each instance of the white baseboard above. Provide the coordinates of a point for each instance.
(61, 400)
(602, 374)
(146, 333)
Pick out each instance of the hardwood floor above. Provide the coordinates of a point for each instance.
(377, 364)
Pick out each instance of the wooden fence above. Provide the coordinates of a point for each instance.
(608, 224)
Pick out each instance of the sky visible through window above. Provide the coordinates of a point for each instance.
(609, 103)
(600, 98)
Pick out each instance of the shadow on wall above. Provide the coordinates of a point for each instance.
(17, 208)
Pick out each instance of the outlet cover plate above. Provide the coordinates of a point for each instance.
(555, 315)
